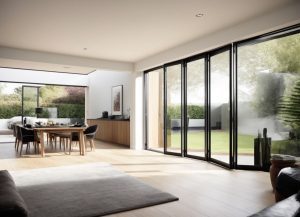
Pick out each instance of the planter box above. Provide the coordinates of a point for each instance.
(176, 123)
(196, 122)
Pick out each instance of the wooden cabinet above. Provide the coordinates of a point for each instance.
(115, 131)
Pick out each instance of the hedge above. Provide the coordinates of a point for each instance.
(193, 111)
(70, 110)
(9, 109)
(66, 110)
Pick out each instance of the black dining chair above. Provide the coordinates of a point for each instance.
(89, 135)
(26, 136)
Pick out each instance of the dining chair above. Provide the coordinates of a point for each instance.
(64, 139)
(26, 137)
(89, 135)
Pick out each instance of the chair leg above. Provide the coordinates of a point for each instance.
(70, 148)
(18, 144)
(16, 140)
(21, 149)
(37, 148)
(60, 142)
(34, 145)
(28, 147)
(93, 143)
(65, 144)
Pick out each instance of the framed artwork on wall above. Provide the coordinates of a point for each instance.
(117, 100)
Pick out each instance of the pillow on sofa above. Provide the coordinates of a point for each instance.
(11, 202)
(288, 182)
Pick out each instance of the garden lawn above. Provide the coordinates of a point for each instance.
(219, 140)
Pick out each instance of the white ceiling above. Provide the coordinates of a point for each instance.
(120, 30)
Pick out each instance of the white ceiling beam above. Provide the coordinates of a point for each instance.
(54, 58)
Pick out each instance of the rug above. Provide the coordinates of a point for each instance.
(84, 190)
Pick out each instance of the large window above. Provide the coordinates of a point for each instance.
(219, 105)
(60, 104)
(64, 102)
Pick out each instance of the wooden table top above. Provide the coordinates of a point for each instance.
(60, 128)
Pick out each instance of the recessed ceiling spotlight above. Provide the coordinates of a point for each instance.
(199, 15)
(84, 48)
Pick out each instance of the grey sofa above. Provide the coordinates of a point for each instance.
(287, 192)
(11, 202)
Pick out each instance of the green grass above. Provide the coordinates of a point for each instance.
(219, 140)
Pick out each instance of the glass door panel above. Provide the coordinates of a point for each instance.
(220, 107)
(29, 101)
(195, 93)
(268, 76)
(155, 110)
(10, 109)
(173, 108)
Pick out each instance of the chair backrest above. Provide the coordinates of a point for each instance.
(26, 132)
(91, 130)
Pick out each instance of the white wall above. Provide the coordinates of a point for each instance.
(42, 77)
(137, 114)
(99, 91)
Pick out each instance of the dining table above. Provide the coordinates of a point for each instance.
(60, 129)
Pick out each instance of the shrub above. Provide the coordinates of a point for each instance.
(70, 110)
(193, 111)
(10, 109)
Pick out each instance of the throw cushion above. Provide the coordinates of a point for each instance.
(11, 202)
(288, 181)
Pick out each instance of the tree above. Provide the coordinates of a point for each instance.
(285, 54)
(269, 89)
(268, 70)
(289, 108)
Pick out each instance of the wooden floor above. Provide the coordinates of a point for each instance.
(203, 188)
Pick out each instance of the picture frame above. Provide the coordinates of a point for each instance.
(117, 100)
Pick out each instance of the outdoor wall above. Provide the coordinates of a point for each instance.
(99, 91)
(42, 77)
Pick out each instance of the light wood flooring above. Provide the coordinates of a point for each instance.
(203, 188)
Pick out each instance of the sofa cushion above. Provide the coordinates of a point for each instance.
(11, 202)
(289, 207)
(288, 181)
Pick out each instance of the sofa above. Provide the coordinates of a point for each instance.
(11, 202)
(287, 195)
(289, 207)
